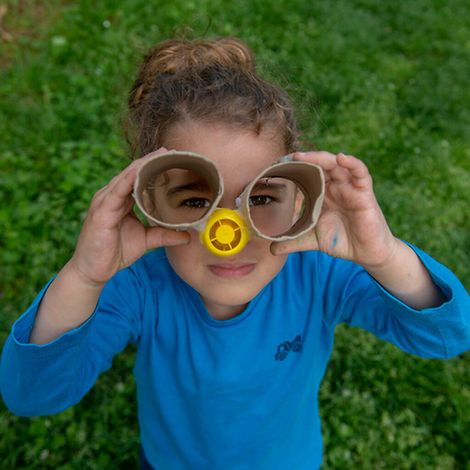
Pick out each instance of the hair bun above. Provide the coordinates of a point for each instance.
(179, 55)
(176, 55)
(213, 80)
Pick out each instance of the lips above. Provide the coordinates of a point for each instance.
(231, 271)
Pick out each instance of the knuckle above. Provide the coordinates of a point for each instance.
(97, 197)
(93, 215)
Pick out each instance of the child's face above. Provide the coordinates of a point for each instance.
(227, 284)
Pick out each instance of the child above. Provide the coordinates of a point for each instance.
(231, 351)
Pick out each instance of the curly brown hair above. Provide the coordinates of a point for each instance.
(209, 80)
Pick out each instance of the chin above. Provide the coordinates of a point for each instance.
(227, 302)
(225, 291)
(230, 297)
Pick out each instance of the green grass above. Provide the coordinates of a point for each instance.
(385, 81)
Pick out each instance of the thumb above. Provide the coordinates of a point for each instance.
(159, 236)
(305, 243)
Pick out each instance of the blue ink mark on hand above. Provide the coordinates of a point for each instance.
(335, 240)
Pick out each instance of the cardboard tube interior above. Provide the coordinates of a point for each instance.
(310, 179)
(166, 161)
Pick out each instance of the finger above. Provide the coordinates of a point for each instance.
(136, 164)
(158, 236)
(159, 151)
(358, 170)
(307, 242)
(129, 205)
(98, 196)
(121, 186)
(328, 162)
(119, 190)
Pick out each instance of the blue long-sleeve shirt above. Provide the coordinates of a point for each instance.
(234, 394)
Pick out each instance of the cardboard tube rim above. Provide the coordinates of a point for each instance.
(310, 178)
(177, 159)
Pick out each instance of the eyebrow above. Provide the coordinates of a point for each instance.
(192, 186)
(260, 185)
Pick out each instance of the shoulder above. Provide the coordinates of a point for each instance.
(309, 264)
(155, 259)
(153, 266)
(316, 275)
(141, 286)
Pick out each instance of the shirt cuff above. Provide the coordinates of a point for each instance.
(451, 319)
(440, 275)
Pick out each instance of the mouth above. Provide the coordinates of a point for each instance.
(231, 271)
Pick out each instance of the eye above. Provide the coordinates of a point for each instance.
(195, 203)
(260, 200)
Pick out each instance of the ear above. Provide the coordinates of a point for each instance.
(148, 203)
(299, 204)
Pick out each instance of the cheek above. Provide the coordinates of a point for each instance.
(185, 256)
(269, 264)
(261, 248)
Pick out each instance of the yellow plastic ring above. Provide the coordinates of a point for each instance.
(225, 233)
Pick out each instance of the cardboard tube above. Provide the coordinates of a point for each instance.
(309, 178)
(167, 161)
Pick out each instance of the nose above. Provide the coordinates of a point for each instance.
(231, 203)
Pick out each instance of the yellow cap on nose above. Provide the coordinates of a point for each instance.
(225, 233)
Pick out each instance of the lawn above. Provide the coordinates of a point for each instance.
(386, 81)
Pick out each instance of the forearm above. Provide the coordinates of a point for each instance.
(405, 277)
(68, 302)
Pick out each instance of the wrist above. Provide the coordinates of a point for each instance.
(389, 259)
(404, 276)
(73, 270)
(68, 302)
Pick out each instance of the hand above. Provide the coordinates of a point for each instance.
(351, 224)
(112, 237)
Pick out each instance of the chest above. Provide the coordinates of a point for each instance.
(270, 350)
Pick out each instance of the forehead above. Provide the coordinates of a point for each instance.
(239, 154)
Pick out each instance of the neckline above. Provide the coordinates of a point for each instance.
(198, 304)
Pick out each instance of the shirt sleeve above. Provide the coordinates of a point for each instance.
(441, 332)
(45, 379)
